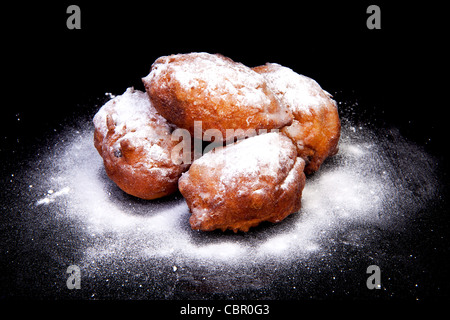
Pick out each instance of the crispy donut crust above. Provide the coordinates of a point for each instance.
(135, 144)
(211, 88)
(239, 186)
(316, 127)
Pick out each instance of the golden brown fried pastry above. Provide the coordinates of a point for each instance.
(135, 144)
(240, 185)
(211, 88)
(316, 126)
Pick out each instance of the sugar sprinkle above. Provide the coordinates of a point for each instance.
(354, 186)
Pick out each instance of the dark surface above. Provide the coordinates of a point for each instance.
(57, 79)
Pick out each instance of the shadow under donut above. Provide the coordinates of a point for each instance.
(132, 204)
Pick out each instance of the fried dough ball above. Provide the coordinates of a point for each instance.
(211, 88)
(240, 185)
(316, 126)
(135, 144)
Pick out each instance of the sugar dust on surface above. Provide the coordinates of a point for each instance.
(363, 188)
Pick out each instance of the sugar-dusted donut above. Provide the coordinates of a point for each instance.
(215, 90)
(240, 185)
(316, 126)
(135, 144)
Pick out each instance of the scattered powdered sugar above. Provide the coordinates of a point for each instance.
(373, 185)
(51, 195)
(358, 184)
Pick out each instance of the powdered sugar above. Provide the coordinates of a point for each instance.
(356, 185)
(51, 196)
(129, 111)
(291, 176)
(373, 185)
(298, 92)
(136, 121)
(256, 157)
(218, 78)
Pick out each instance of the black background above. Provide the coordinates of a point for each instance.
(53, 75)
(53, 72)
